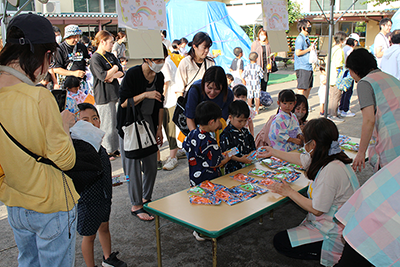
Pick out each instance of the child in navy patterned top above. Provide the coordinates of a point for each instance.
(237, 135)
(204, 154)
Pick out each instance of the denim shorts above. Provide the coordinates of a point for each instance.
(44, 239)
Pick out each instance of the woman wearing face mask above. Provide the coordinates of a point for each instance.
(263, 50)
(301, 110)
(193, 67)
(333, 183)
(144, 83)
(106, 70)
(212, 87)
(119, 48)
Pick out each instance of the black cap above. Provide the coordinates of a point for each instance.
(36, 29)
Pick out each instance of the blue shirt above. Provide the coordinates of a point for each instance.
(195, 97)
(301, 62)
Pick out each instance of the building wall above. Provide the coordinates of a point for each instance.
(66, 6)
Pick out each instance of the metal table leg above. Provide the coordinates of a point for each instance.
(261, 220)
(158, 241)
(214, 251)
(271, 215)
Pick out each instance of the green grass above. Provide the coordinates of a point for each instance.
(275, 78)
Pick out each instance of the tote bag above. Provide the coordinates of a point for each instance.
(344, 80)
(139, 141)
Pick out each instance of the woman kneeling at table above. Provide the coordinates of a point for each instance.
(333, 183)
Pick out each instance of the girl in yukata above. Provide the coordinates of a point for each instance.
(285, 133)
(319, 236)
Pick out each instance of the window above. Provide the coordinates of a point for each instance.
(30, 7)
(320, 29)
(345, 4)
(325, 4)
(355, 27)
(87, 6)
(109, 6)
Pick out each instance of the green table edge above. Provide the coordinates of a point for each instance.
(216, 234)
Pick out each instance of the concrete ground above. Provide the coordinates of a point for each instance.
(249, 245)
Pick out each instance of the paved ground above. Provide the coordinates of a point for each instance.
(249, 245)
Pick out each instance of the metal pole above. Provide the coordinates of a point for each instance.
(328, 69)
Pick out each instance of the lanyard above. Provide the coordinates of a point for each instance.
(105, 58)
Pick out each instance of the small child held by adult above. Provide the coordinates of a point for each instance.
(72, 84)
(285, 133)
(322, 89)
(301, 110)
(237, 135)
(94, 206)
(204, 155)
(240, 93)
(237, 66)
(252, 76)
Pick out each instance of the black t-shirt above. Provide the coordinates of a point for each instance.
(67, 54)
(104, 92)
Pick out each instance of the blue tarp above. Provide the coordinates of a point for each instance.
(396, 21)
(187, 17)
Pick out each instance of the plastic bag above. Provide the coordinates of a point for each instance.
(313, 59)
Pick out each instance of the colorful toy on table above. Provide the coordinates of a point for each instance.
(253, 156)
(228, 198)
(274, 163)
(266, 182)
(244, 178)
(245, 195)
(287, 174)
(196, 190)
(204, 200)
(210, 186)
(257, 172)
(253, 188)
(352, 146)
(343, 139)
(231, 152)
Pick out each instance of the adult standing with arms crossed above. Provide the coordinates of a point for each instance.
(144, 84)
(71, 56)
(302, 66)
(106, 70)
(40, 199)
(262, 48)
(381, 42)
(193, 67)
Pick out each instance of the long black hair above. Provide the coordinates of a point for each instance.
(323, 132)
(299, 100)
(216, 75)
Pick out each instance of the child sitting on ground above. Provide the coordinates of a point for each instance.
(252, 76)
(94, 206)
(322, 89)
(301, 110)
(240, 93)
(237, 66)
(285, 133)
(237, 135)
(204, 154)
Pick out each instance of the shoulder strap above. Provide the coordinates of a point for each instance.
(27, 151)
(104, 58)
(194, 77)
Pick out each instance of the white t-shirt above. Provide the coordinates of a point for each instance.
(347, 50)
(380, 41)
(332, 186)
(169, 71)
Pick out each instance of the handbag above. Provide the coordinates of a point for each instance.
(344, 80)
(179, 117)
(139, 141)
(274, 68)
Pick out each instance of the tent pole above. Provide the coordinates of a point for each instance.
(328, 69)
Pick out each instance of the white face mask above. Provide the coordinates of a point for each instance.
(262, 38)
(307, 152)
(58, 39)
(299, 115)
(156, 67)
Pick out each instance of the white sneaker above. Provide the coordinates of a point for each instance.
(198, 237)
(335, 119)
(170, 164)
(181, 154)
(347, 114)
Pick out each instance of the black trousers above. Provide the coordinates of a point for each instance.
(310, 251)
(264, 83)
(351, 258)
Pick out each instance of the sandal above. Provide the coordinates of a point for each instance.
(139, 211)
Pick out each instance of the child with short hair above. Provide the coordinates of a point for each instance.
(204, 155)
(94, 206)
(240, 93)
(285, 133)
(252, 76)
(237, 135)
(237, 66)
(322, 89)
(301, 110)
(229, 80)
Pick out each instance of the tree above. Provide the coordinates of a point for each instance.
(294, 11)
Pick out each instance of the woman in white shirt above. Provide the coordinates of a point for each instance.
(193, 67)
